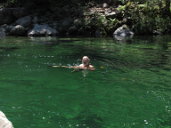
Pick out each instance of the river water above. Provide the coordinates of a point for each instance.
(130, 88)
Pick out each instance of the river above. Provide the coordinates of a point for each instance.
(130, 88)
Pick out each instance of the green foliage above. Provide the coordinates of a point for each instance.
(143, 16)
(147, 18)
(8, 3)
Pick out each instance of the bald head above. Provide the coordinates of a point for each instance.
(85, 60)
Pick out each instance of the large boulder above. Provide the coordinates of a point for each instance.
(24, 21)
(42, 30)
(123, 32)
(4, 122)
(9, 15)
(18, 30)
(6, 28)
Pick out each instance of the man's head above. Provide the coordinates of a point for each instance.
(85, 60)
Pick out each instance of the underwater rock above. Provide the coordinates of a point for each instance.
(4, 122)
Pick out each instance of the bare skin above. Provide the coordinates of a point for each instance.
(84, 66)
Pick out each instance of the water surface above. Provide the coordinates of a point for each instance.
(131, 87)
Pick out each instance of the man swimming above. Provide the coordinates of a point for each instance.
(84, 66)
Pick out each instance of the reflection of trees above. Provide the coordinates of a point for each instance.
(160, 55)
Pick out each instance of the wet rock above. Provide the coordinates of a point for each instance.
(18, 30)
(4, 122)
(42, 30)
(122, 33)
(24, 21)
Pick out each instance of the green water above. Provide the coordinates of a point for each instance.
(131, 87)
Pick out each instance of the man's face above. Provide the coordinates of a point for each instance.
(85, 61)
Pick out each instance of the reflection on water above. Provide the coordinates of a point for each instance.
(130, 87)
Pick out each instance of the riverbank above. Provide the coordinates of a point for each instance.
(98, 19)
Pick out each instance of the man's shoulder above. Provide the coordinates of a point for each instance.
(81, 65)
(91, 66)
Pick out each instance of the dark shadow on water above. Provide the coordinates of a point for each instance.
(51, 41)
(81, 121)
(92, 121)
(8, 48)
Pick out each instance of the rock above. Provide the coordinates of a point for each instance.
(72, 30)
(77, 22)
(4, 122)
(67, 22)
(7, 28)
(123, 32)
(18, 30)
(2, 32)
(35, 20)
(24, 21)
(109, 13)
(42, 30)
(105, 5)
(157, 32)
(9, 15)
(100, 33)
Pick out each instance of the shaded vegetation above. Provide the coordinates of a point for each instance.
(100, 17)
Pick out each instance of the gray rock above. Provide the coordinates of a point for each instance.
(42, 30)
(123, 32)
(109, 13)
(100, 33)
(7, 28)
(18, 30)
(77, 22)
(24, 21)
(4, 122)
(35, 20)
(2, 32)
(66, 23)
(105, 5)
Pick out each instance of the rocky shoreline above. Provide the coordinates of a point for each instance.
(18, 22)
